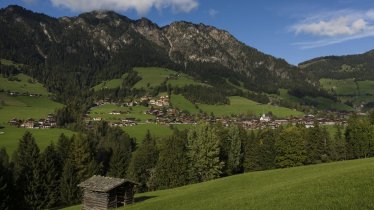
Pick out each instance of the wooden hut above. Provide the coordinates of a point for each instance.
(101, 193)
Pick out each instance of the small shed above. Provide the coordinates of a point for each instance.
(101, 193)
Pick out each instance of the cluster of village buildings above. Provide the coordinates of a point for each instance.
(170, 116)
(162, 101)
(49, 122)
(14, 93)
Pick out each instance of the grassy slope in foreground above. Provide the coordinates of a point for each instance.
(340, 185)
(240, 105)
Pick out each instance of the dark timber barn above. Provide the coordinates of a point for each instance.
(101, 193)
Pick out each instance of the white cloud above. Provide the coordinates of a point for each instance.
(141, 6)
(213, 12)
(336, 27)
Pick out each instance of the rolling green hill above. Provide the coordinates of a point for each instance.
(358, 92)
(109, 84)
(343, 185)
(24, 107)
(240, 105)
(154, 76)
(23, 84)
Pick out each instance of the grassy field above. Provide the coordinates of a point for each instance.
(325, 103)
(136, 112)
(23, 107)
(181, 103)
(139, 131)
(154, 76)
(23, 85)
(11, 135)
(340, 87)
(343, 185)
(10, 63)
(110, 84)
(319, 102)
(349, 90)
(240, 105)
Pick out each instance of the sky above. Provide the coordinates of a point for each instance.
(295, 30)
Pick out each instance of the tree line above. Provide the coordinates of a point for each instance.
(47, 179)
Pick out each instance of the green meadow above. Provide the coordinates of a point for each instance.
(350, 90)
(240, 105)
(109, 84)
(181, 103)
(136, 112)
(325, 103)
(153, 76)
(23, 107)
(139, 131)
(10, 63)
(344, 185)
(25, 85)
(11, 135)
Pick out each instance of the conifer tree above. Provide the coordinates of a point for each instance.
(203, 153)
(6, 182)
(68, 184)
(143, 162)
(338, 145)
(172, 166)
(121, 148)
(83, 158)
(290, 148)
(52, 170)
(266, 149)
(28, 175)
(359, 138)
(250, 162)
(234, 152)
(63, 148)
(316, 144)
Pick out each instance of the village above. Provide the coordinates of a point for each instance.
(49, 122)
(165, 114)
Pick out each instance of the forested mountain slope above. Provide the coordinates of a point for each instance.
(360, 66)
(70, 52)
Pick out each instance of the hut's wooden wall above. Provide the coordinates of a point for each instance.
(119, 196)
(95, 200)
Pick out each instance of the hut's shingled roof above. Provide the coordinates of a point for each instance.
(102, 183)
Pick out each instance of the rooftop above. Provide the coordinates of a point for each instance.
(102, 183)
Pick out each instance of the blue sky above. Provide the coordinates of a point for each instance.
(296, 30)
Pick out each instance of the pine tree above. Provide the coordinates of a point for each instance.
(203, 153)
(28, 176)
(52, 170)
(68, 184)
(121, 148)
(143, 162)
(6, 182)
(266, 149)
(83, 158)
(172, 166)
(359, 138)
(338, 145)
(316, 144)
(234, 152)
(63, 148)
(290, 148)
(250, 162)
